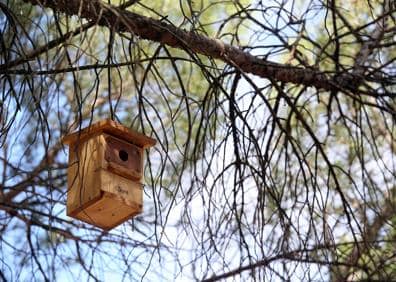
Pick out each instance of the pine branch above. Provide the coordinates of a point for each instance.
(121, 21)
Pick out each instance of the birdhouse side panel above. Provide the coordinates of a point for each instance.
(85, 161)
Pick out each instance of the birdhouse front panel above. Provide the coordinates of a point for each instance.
(123, 158)
(119, 200)
(104, 174)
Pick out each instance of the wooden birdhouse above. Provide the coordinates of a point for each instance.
(105, 173)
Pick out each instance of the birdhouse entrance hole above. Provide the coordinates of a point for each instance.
(123, 155)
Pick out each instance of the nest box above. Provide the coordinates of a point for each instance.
(105, 173)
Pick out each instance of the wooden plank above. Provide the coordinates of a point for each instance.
(113, 128)
(128, 190)
(123, 158)
(119, 199)
(84, 181)
(107, 213)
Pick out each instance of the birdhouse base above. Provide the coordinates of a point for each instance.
(119, 199)
(107, 212)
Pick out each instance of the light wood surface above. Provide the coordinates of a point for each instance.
(112, 128)
(104, 176)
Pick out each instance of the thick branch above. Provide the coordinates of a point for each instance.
(55, 42)
(156, 30)
(368, 47)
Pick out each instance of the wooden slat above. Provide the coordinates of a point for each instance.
(120, 186)
(113, 128)
(83, 179)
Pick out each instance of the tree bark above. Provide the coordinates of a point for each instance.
(121, 20)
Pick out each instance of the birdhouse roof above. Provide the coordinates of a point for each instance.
(112, 128)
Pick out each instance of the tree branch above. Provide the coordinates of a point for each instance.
(369, 45)
(158, 31)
